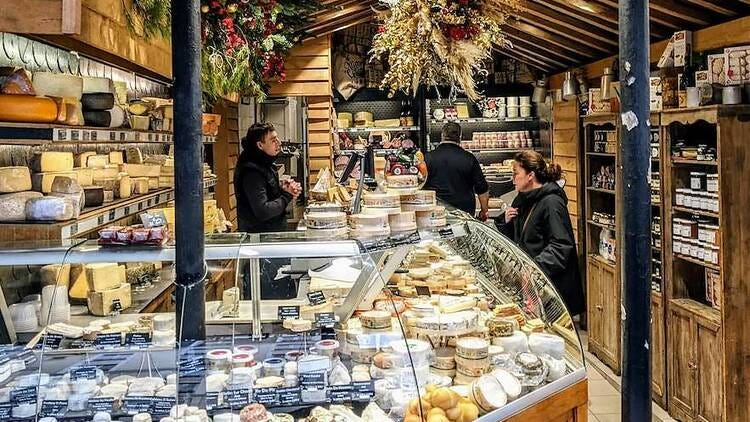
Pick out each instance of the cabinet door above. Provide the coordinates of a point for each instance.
(594, 306)
(611, 335)
(682, 363)
(709, 383)
(658, 372)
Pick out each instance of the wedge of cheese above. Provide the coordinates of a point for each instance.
(115, 157)
(85, 176)
(140, 185)
(103, 303)
(55, 274)
(42, 182)
(81, 160)
(141, 170)
(14, 179)
(79, 286)
(97, 161)
(104, 276)
(52, 161)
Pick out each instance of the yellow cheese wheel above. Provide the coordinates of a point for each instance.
(27, 109)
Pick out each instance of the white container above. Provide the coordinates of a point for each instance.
(524, 101)
(502, 111)
(680, 197)
(525, 111)
(512, 101)
(513, 112)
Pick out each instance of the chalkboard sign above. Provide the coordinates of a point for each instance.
(316, 298)
(108, 340)
(422, 290)
(313, 379)
(140, 340)
(83, 373)
(237, 398)
(212, 400)
(101, 404)
(363, 390)
(5, 411)
(52, 341)
(287, 312)
(192, 366)
(446, 232)
(25, 395)
(139, 404)
(53, 408)
(290, 396)
(162, 405)
(325, 319)
(338, 394)
(268, 397)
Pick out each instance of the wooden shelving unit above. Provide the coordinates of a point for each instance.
(707, 335)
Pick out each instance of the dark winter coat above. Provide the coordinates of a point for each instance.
(261, 203)
(548, 239)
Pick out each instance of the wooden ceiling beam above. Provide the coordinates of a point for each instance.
(574, 46)
(332, 17)
(324, 26)
(715, 7)
(567, 33)
(578, 14)
(542, 50)
(346, 25)
(526, 60)
(528, 51)
(333, 6)
(667, 22)
(534, 11)
(515, 35)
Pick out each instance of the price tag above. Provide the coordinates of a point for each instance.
(268, 397)
(212, 400)
(192, 366)
(83, 373)
(237, 398)
(406, 239)
(313, 379)
(286, 312)
(133, 405)
(140, 340)
(290, 396)
(446, 232)
(5, 411)
(340, 393)
(108, 340)
(101, 404)
(152, 219)
(27, 356)
(116, 306)
(325, 319)
(363, 390)
(376, 245)
(52, 341)
(162, 405)
(25, 395)
(54, 408)
(422, 290)
(316, 298)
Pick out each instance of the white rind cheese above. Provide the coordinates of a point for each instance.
(49, 208)
(14, 179)
(13, 205)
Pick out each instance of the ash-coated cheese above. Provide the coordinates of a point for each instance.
(42, 182)
(55, 274)
(104, 276)
(97, 160)
(14, 179)
(81, 160)
(124, 187)
(84, 175)
(141, 170)
(52, 161)
(115, 157)
(49, 208)
(62, 184)
(93, 196)
(140, 185)
(110, 171)
(13, 205)
(102, 303)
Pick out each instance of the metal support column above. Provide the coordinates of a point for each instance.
(636, 209)
(189, 258)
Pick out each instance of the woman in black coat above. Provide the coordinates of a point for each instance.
(538, 221)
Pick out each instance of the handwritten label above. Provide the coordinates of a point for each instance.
(316, 298)
(363, 390)
(446, 232)
(313, 379)
(212, 400)
(5, 411)
(52, 341)
(268, 397)
(289, 396)
(25, 395)
(83, 373)
(101, 404)
(162, 405)
(108, 340)
(152, 219)
(325, 319)
(286, 312)
(140, 340)
(237, 398)
(53, 408)
(340, 393)
(192, 366)
(133, 405)
(422, 290)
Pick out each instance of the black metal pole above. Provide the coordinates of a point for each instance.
(188, 160)
(636, 209)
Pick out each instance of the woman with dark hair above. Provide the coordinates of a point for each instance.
(538, 221)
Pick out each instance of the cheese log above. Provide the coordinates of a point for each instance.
(58, 85)
(14, 179)
(62, 184)
(133, 155)
(117, 116)
(85, 176)
(109, 196)
(115, 157)
(42, 182)
(52, 161)
(27, 109)
(93, 85)
(101, 303)
(124, 187)
(141, 170)
(153, 183)
(77, 199)
(104, 276)
(97, 161)
(140, 185)
(13, 205)
(97, 118)
(79, 287)
(55, 274)
(49, 208)
(93, 196)
(82, 159)
(107, 183)
(110, 171)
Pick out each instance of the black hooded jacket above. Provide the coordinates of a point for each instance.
(261, 203)
(548, 239)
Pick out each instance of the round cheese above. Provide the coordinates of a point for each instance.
(27, 109)
(549, 344)
(488, 394)
(444, 358)
(376, 319)
(163, 321)
(13, 205)
(14, 179)
(381, 200)
(403, 221)
(326, 233)
(510, 384)
(402, 181)
(472, 348)
(325, 220)
(422, 197)
(515, 343)
(472, 367)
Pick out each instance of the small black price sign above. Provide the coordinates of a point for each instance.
(25, 395)
(325, 319)
(133, 405)
(192, 366)
(5, 411)
(83, 373)
(316, 298)
(140, 340)
(162, 405)
(152, 219)
(52, 341)
(363, 390)
(212, 400)
(101, 404)
(268, 397)
(446, 232)
(54, 408)
(290, 396)
(237, 398)
(340, 393)
(313, 379)
(287, 312)
(422, 290)
(108, 340)
(27, 356)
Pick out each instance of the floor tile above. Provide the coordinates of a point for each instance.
(605, 405)
(592, 418)
(594, 374)
(608, 417)
(601, 388)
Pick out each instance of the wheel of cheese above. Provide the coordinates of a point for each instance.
(93, 196)
(117, 116)
(27, 109)
(97, 118)
(98, 102)
(13, 205)
(94, 85)
(58, 85)
(49, 208)
(14, 179)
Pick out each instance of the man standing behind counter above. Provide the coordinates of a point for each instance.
(455, 174)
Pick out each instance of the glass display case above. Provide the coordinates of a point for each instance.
(451, 324)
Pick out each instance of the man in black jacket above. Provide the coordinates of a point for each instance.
(455, 174)
(261, 198)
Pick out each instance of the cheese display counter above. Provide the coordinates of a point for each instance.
(451, 324)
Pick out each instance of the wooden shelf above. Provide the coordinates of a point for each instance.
(600, 190)
(378, 129)
(604, 226)
(698, 308)
(41, 133)
(684, 161)
(598, 258)
(695, 212)
(697, 262)
(485, 120)
(601, 154)
(499, 150)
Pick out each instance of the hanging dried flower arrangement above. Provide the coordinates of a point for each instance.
(440, 42)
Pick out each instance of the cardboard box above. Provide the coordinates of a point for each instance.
(737, 67)
(667, 56)
(702, 82)
(717, 69)
(683, 47)
(655, 99)
(596, 104)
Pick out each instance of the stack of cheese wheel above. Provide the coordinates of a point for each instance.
(326, 224)
(472, 359)
(381, 203)
(431, 217)
(369, 225)
(422, 200)
(402, 184)
(405, 221)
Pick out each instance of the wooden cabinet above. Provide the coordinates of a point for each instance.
(658, 351)
(604, 312)
(695, 368)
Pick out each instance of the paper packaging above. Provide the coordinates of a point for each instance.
(596, 104)
(717, 69)
(655, 99)
(737, 68)
(683, 47)
(666, 59)
(703, 83)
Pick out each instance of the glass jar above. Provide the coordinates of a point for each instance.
(680, 197)
(712, 183)
(698, 181)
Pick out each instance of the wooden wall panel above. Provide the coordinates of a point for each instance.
(41, 16)
(225, 153)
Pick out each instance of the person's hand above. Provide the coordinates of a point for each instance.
(288, 188)
(484, 215)
(510, 214)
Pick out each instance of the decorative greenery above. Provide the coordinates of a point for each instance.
(149, 18)
(440, 42)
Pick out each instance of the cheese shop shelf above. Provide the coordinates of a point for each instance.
(36, 133)
(484, 120)
(604, 226)
(601, 154)
(695, 212)
(445, 333)
(600, 190)
(377, 129)
(697, 262)
(499, 150)
(684, 161)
